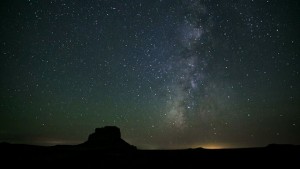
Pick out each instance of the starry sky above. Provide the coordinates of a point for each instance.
(170, 73)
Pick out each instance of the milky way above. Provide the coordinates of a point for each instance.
(170, 74)
(190, 93)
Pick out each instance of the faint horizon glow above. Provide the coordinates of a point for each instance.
(43, 141)
(214, 146)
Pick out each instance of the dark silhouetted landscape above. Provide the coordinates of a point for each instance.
(106, 148)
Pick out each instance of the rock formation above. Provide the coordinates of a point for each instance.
(108, 138)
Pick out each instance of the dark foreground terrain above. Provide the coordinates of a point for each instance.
(88, 157)
(106, 149)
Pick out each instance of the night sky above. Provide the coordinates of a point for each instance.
(169, 73)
